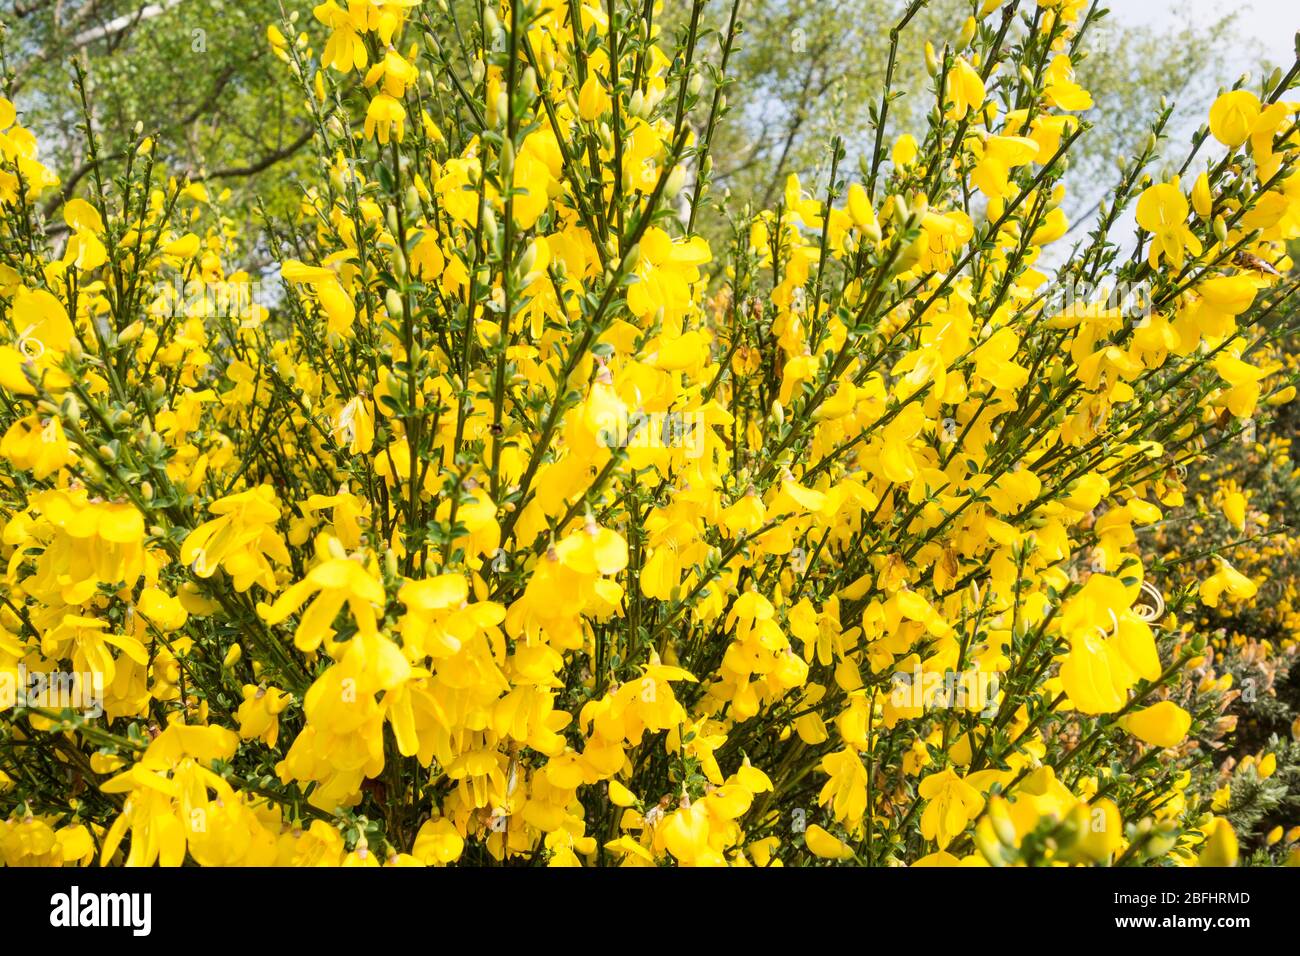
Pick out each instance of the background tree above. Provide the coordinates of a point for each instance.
(812, 69)
(196, 73)
(200, 74)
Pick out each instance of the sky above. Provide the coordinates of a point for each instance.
(1271, 24)
(1264, 28)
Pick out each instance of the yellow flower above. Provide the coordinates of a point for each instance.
(1061, 90)
(1220, 847)
(1234, 509)
(953, 803)
(1232, 115)
(1162, 211)
(965, 88)
(438, 842)
(36, 445)
(259, 714)
(1227, 580)
(826, 845)
(242, 540)
(330, 585)
(1163, 725)
(593, 101)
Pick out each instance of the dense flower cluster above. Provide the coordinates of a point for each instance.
(527, 525)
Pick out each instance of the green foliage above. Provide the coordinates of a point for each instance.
(196, 74)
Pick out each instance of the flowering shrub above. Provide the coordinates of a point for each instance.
(525, 526)
(1246, 505)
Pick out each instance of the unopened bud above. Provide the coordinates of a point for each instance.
(676, 180)
(931, 59)
(507, 160)
(967, 32)
(1220, 229)
(393, 303)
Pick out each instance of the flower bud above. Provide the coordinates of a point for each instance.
(967, 32)
(393, 303)
(931, 59)
(1220, 229)
(676, 180)
(989, 847)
